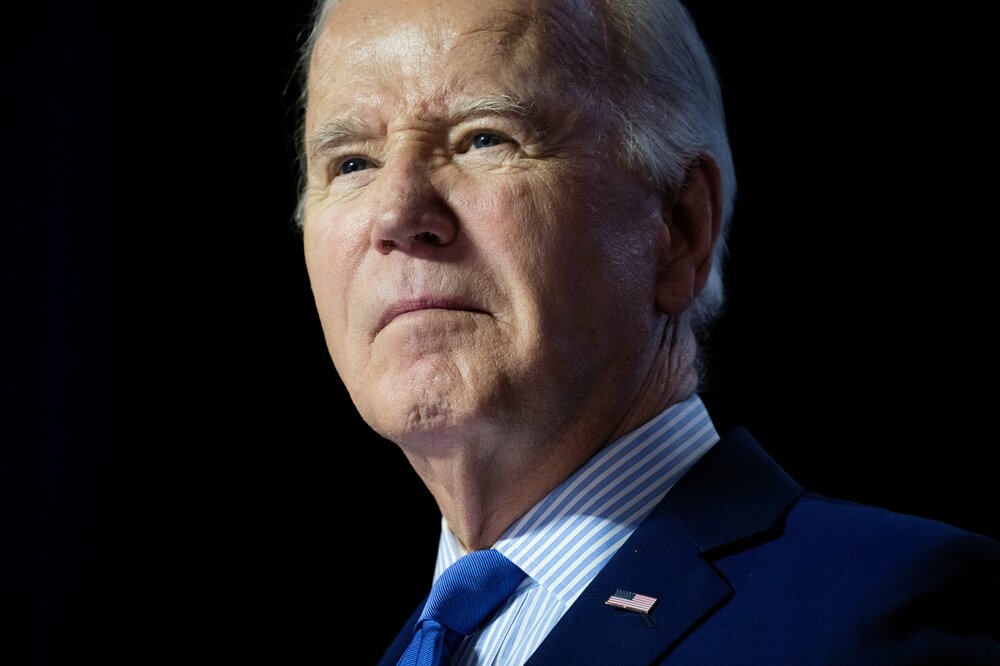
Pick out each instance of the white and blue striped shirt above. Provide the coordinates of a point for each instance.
(565, 540)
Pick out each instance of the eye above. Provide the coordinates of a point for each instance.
(487, 140)
(353, 165)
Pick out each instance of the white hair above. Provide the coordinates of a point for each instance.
(668, 107)
(665, 101)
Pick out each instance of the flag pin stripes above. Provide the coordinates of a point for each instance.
(640, 603)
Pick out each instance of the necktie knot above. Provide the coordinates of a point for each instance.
(467, 593)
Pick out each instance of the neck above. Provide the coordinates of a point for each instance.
(483, 486)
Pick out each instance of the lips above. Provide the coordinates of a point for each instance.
(417, 304)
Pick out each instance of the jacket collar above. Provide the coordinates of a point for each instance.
(735, 497)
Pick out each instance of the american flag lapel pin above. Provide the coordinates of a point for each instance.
(639, 603)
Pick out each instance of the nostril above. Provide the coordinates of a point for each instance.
(387, 245)
(427, 237)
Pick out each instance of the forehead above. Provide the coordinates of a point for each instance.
(432, 52)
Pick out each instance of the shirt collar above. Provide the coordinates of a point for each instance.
(563, 541)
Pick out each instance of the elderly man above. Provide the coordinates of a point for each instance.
(513, 217)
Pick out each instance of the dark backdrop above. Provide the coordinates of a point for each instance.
(185, 473)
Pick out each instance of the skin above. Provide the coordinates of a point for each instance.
(500, 297)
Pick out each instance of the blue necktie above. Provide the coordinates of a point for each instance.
(461, 599)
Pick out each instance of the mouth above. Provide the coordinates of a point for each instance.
(420, 304)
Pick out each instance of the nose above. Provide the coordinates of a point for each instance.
(412, 216)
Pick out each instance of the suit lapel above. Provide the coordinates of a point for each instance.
(659, 560)
(733, 498)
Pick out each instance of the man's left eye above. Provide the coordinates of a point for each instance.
(487, 140)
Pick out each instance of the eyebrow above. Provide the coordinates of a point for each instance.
(342, 130)
(501, 104)
(329, 135)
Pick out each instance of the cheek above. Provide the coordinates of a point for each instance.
(514, 236)
(548, 233)
(578, 262)
(333, 247)
(516, 219)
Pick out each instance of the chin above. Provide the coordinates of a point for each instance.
(424, 417)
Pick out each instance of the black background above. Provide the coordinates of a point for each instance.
(184, 474)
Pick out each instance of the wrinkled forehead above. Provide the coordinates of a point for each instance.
(430, 50)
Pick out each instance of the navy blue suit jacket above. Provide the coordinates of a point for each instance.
(749, 569)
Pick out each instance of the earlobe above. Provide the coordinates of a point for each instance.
(692, 219)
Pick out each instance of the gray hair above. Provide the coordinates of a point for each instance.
(666, 105)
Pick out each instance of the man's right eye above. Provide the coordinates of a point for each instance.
(352, 165)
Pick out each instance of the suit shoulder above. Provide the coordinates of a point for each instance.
(868, 556)
(856, 526)
(855, 547)
(898, 588)
(846, 583)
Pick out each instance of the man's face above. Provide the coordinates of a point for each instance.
(480, 262)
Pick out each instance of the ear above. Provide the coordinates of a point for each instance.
(692, 218)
